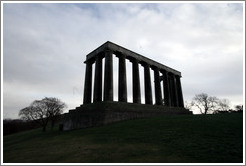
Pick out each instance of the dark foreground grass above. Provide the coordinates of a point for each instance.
(166, 139)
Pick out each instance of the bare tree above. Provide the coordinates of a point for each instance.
(239, 108)
(188, 105)
(54, 107)
(204, 102)
(223, 104)
(42, 111)
(35, 112)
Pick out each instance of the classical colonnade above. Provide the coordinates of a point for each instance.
(163, 76)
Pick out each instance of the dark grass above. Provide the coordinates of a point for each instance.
(166, 139)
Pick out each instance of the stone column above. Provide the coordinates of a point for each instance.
(88, 81)
(122, 96)
(179, 91)
(166, 88)
(158, 99)
(136, 82)
(98, 80)
(147, 84)
(174, 91)
(171, 90)
(108, 76)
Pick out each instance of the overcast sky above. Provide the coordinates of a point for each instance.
(45, 45)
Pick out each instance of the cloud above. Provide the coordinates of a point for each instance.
(44, 46)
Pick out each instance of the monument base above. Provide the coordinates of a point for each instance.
(102, 113)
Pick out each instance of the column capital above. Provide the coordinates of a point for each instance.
(170, 74)
(132, 59)
(101, 55)
(177, 76)
(119, 54)
(98, 57)
(163, 71)
(155, 68)
(144, 64)
(89, 61)
(107, 50)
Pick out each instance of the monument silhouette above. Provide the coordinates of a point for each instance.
(99, 108)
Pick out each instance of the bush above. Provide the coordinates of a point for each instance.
(11, 126)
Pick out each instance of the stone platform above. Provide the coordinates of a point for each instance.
(101, 113)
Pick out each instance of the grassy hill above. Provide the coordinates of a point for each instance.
(166, 139)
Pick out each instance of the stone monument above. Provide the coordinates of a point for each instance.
(99, 108)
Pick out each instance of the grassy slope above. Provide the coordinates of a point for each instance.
(175, 139)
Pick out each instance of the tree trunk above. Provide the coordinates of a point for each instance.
(52, 123)
(206, 110)
(44, 128)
